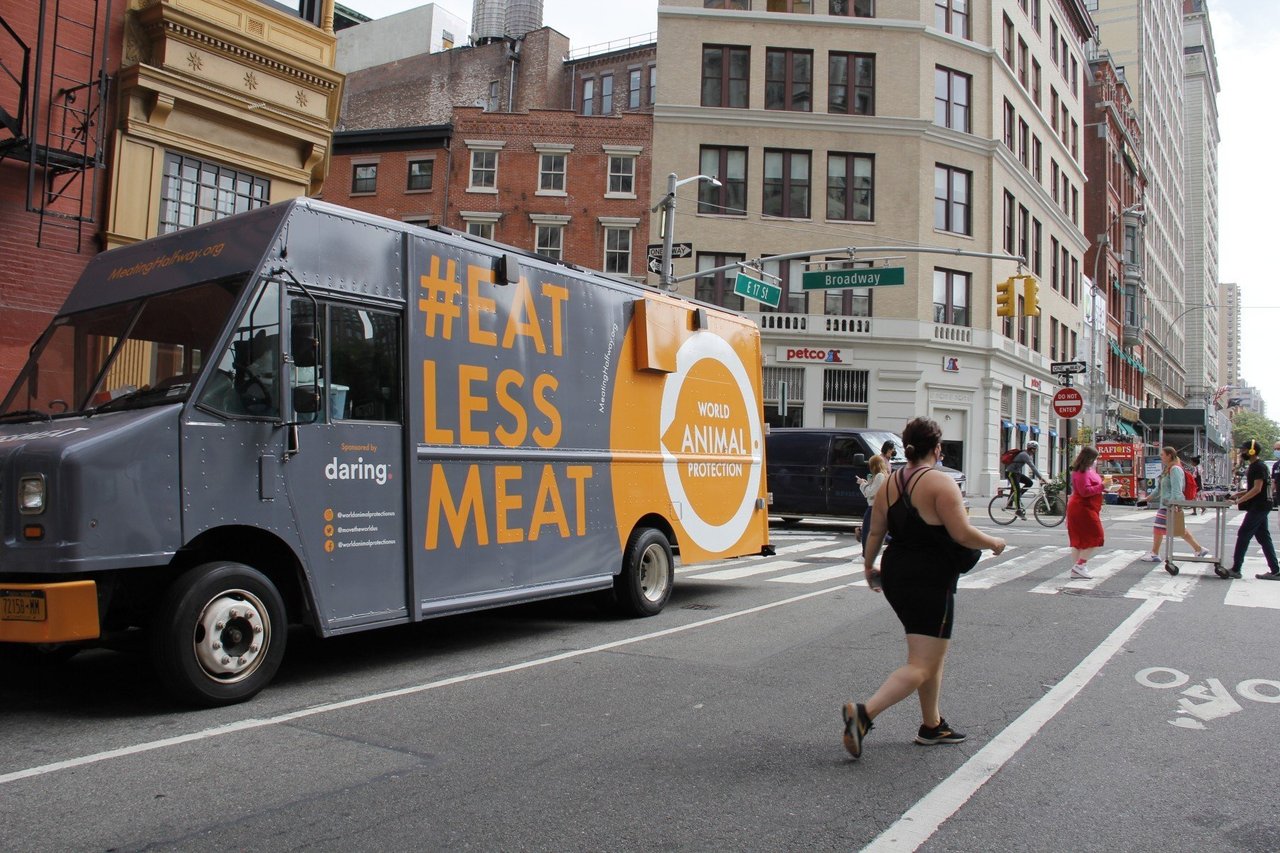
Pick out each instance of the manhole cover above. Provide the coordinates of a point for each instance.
(1092, 593)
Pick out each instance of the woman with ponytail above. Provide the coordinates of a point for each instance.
(1257, 509)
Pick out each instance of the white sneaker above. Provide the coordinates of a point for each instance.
(1149, 558)
(1079, 571)
(1203, 552)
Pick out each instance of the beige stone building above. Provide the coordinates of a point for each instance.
(226, 105)
(895, 124)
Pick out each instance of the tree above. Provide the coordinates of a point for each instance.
(1247, 425)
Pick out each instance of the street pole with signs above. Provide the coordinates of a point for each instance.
(667, 205)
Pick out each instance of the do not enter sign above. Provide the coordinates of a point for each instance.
(1067, 403)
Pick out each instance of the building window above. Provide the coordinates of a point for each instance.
(617, 250)
(480, 223)
(1024, 223)
(1037, 245)
(717, 288)
(851, 83)
(1035, 82)
(1008, 42)
(1035, 15)
(952, 16)
(1037, 160)
(484, 170)
(850, 187)
(1053, 262)
(790, 278)
(491, 102)
(588, 96)
(196, 191)
(788, 80)
(1024, 144)
(1022, 63)
(633, 89)
(786, 184)
(803, 7)
(729, 165)
(951, 297)
(951, 98)
(421, 174)
(852, 8)
(606, 94)
(551, 173)
(653, 84)
(549, 241)
(951, 199)
(622, 175)
(1010, 123)
(364, 178)
(726, 74)
(1010, 233)
(1053, 339)
(446, 40)
(727, 4)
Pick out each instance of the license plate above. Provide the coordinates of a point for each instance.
(22, 605)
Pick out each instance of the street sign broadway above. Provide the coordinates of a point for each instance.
(678, 250)
(1067, 403)
(1065, 368)
(760, 291)
(865, 277)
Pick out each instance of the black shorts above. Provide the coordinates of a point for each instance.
(923, 597)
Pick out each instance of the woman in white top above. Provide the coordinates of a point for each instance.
(879, 474)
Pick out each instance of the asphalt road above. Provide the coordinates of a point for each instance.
(1134, 712)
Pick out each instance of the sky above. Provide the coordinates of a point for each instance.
(1244, 31)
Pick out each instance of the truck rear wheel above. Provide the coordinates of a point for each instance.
(219, 635)
(648, 573)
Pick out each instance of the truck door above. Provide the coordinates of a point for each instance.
(346, 480)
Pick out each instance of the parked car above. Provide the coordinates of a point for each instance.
(813, 472)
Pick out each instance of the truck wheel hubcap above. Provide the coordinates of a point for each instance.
(231, 634)
(655, 573)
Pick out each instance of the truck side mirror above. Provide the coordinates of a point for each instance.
(507, 269)
(859, 459)
(306, 400)
(303, 344)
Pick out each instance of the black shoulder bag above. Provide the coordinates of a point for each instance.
(958, 557)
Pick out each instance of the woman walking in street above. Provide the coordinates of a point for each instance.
(1084, 511)
(879, 470)
(931, 543)
(1169, 487)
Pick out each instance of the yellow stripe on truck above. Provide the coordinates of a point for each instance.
(71, 613)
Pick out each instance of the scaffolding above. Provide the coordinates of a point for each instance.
(53, 96)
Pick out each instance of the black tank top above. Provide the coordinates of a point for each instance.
(906, 526)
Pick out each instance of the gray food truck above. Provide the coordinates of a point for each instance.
(307, 415)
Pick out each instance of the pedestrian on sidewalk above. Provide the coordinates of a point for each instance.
(933, 542)
(1192, 469)
(1084, 511)
(1256, 504)
(1169, 487)
(879, 470)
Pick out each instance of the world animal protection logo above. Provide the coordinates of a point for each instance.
(710, 437)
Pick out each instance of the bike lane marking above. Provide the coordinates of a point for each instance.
(923, 819)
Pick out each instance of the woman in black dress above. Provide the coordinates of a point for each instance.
(924, 512)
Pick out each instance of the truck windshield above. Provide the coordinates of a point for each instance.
(140, 353)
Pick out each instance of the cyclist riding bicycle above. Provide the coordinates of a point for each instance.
(1018, 480)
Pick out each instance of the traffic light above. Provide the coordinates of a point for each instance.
(1004, 298)
(1031, 303)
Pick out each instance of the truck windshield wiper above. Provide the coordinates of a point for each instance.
(140, 398)
(23, 414)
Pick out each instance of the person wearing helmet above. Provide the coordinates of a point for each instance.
(1256, 504)
(1016, 472)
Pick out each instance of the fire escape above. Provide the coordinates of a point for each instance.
(53, 94)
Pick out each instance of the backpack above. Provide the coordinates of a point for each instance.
(1190, 488)
(1008, 456)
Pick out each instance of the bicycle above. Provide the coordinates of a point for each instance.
(1046, 505)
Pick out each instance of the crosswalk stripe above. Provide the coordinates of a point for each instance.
(1251, 592)
(1159, 584)
(824, 574)
(1100, 573)
(748, 571)
(1011, 569)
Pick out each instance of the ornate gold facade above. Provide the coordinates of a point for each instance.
(233, 82)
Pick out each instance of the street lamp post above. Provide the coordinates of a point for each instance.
(668, 207)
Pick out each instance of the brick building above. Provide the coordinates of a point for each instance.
(165, 114)
(499, 140)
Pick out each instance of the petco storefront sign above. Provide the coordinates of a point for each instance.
(814, 354)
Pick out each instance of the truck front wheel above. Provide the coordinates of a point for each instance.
(219, 635)
(648, 573)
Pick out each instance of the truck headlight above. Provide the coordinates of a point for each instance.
(31, 494)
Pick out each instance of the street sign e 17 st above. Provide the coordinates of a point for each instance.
(860, 277)
(761, 291)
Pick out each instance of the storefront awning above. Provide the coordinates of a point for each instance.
(1035, 430)
(1053, 433)
(1022, 427)
(1125, 428)
(1006, 425)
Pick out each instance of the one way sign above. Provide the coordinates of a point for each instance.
(678, 250)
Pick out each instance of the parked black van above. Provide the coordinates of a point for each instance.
(815, 471)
